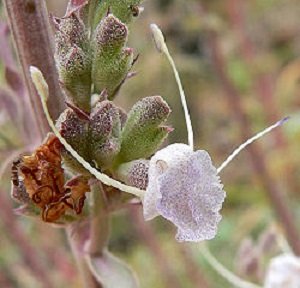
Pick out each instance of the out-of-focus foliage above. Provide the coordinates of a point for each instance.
(260, 41)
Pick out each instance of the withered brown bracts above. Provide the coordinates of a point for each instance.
(40, 178)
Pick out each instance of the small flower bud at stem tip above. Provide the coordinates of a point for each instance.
(158, 37)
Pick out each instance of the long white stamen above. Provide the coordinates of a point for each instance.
(223, 271)
(162, 47)
(43, 91)
(249, 141)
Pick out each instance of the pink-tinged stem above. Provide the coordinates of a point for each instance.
(192, 269)
(146, 234)
(29, 254)
(263, 83)
(100, 222)
(29, 24)
(276, 197)
(77, 236)
(30, 27)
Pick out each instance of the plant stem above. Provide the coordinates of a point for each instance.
(223, 271)
(28, 253)
(257, 157)
(195, 274)
(146, 234)
(99, 229)
(97, 234)
(263, 82)
(30, 27)
(77, 237)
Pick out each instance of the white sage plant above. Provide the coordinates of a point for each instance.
(95, 139)
(183, 186)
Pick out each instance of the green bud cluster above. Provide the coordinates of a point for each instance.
(90, 47)
(94, 61)
(73, 59)
(107, 139)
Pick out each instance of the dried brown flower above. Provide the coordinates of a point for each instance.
(40, 176)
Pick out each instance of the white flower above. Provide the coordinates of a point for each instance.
(283, 272)
(184, 188)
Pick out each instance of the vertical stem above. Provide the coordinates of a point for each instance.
(196, 276)
(77, 237)
(275, 195)
(28, 253)
(29, 24)
(99, 231)
(263, 82)
(30, 27)
(148, 237)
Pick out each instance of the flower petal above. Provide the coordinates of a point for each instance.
(283, 271)
(184, 188)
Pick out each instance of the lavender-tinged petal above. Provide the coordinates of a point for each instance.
(283, 271)
(184, 188)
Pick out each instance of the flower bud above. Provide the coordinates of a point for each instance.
(74, 72)
(134, 173)
(142, 134)
(72, 59)
(75, 131)
(105, 130)
(69, 31)
(111, 57)
(111, 34)
(248, 260)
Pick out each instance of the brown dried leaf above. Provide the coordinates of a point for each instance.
(77, 186)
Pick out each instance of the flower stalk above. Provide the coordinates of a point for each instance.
(29, 25)
(99, 220)
(32, 36)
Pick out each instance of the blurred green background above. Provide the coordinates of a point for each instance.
(256, 45)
